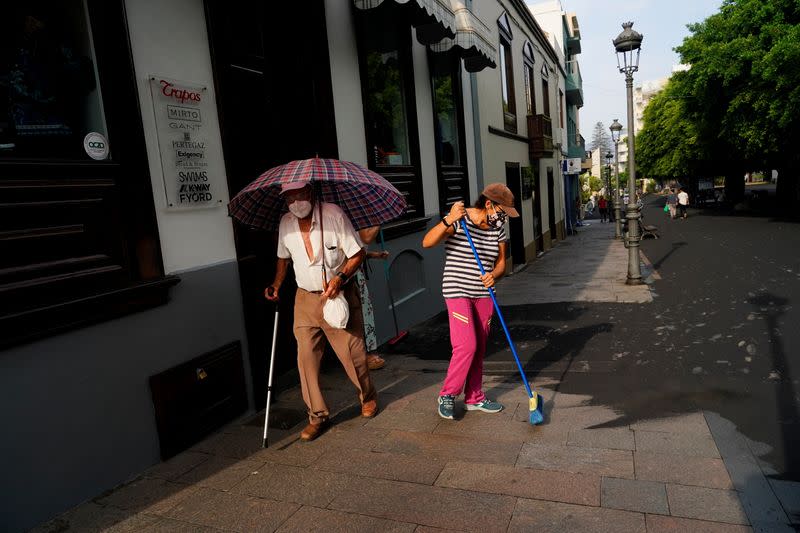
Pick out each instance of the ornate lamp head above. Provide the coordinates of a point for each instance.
(627, 45)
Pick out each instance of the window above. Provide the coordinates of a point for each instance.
(545, 91)
(561, 107)
(388, 94)
(449, 129)
(48, 82)
(78, 236)
(507, 75)
(527, 73)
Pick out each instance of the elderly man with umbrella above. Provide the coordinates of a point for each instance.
(319, 240)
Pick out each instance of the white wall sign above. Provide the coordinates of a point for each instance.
(574, 165)
(96, 146)
(181, 111)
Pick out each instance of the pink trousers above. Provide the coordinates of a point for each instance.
(469, 328)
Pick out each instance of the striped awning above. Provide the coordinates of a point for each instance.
(434, 20)
(473, 40)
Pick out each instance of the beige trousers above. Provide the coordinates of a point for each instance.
(311, 331)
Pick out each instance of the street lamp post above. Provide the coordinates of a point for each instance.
(616, 129)
(608, 157)
(628, 45)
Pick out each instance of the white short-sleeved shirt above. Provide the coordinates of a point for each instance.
(683, 198)
(341, 242)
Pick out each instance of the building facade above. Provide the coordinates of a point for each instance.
(563, 31)
(133, 320)
(518, 126)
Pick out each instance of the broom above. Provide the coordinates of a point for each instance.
(534, 400)
(398, 335)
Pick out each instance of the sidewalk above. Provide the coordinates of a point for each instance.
(588, 267)
(409, 470)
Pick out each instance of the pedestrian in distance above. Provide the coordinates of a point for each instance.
(683, 202)
(367, 236)
(672, 200)
(316, 238)
(602, 206)
(469, 305)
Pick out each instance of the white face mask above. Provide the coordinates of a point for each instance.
(300, 208)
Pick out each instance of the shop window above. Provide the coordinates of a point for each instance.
(78, 237)
(389, 102)
(507, 75)
(49, 92)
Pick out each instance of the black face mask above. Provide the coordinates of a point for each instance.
(496, 219)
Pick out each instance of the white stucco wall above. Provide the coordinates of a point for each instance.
(170, 39)
(346, 81)
(498, 150)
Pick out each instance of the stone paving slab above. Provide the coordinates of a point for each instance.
(220, 473)
(788, 493)
(407, 420)
(580, 489)
(613, 463)
(546, 517)
(147, 495)
(672, 468)
(294, 484)
(444, 447)
(177, 466)
(232, 512)
(168, 525)
(383, 465)
(479, 425)
(634, 495)
(610, 438)
(315, 520)
(685, 444)
(693, 424)
(671, 524)
(93, 517)
(426, 505)
(706, 504)
(427, 529)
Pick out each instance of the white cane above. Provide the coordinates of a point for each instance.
(271, 364)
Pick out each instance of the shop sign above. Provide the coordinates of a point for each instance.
(96, 146)
(190, 167)
(574, 165)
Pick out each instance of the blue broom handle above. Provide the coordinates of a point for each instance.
(497, 308)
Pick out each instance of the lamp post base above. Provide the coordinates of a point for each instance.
(634, 281)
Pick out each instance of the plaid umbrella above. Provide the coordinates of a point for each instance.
(365, 196)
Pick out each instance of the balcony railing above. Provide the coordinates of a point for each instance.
(540, 136)
(577, 146)
(574, 84)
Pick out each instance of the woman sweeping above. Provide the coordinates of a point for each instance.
(469, 305)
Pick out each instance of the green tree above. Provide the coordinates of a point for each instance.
(742, 92)
(668, 146)
(601, 139)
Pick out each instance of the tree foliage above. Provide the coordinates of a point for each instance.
(601, 139)
(734, 110)
(668, 145)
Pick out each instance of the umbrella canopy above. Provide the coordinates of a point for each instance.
(365, 196)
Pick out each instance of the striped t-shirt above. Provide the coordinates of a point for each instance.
(462, 277)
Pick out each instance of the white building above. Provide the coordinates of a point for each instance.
(564, 33)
